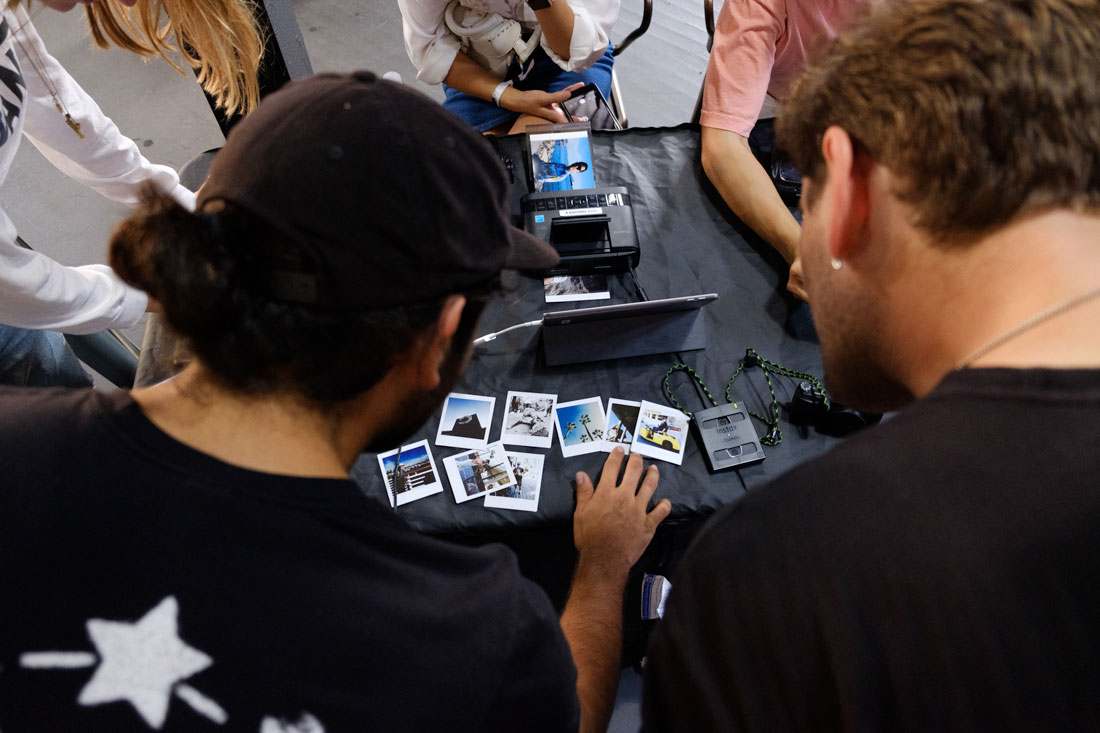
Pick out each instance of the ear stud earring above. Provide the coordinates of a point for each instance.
(837, 264)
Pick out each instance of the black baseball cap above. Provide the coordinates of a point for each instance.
(391, 198)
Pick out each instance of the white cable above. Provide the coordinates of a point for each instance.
(490, 336)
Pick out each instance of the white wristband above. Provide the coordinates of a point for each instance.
(499, 91)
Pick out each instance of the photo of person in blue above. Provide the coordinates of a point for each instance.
(561, 161)
(552, 171)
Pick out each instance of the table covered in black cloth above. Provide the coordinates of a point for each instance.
(690, 244)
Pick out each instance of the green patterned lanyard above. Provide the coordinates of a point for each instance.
(775, 434)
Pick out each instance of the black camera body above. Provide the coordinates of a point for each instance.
(808, 408)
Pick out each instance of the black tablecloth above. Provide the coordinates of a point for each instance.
(690, 244)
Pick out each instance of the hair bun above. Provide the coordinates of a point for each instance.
(179, 258)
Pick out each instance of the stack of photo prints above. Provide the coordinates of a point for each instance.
(509, 479)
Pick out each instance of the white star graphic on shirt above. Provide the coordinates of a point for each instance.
(141, 662)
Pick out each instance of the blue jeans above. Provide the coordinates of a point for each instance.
(32, 358)
(545, 75)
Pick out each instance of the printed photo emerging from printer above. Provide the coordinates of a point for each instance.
(561, 161)
(569, 288)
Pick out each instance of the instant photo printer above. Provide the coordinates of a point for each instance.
(591, 228)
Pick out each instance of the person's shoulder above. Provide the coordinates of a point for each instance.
(927, 448)
(443, 565)
(28, 408)
(48, 431)
(472, 587)
(491, 568)
(771, 9)
(829, 493)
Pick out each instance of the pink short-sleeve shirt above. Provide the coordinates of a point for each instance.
(760, 47)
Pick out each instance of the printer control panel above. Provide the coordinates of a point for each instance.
(575, 202)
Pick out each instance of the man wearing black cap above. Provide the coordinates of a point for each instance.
(193, 555)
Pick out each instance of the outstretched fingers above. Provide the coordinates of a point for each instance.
(611, 525)
(563, 95)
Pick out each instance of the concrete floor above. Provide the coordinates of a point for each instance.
(166, 113)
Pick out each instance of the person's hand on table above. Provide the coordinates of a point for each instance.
(538, 103)
(611, 525)
(794, 282)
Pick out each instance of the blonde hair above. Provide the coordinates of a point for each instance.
(217, 38)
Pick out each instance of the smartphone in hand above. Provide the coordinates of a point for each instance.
(588, 104)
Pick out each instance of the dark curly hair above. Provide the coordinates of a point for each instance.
(201, 268)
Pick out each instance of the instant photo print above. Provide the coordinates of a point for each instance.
(560, 157)
(574, 288)
(410, 473)
(622, 419)
(465, 422)
(662, 433)
(479, 472)
(524, 494)
(528, 419)
(580, 426)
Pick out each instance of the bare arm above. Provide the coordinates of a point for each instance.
(556, 22)
(611, 529)
(467, 76)
(747, 189)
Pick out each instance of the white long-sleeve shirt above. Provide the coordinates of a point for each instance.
(432, 47)
(35, 291)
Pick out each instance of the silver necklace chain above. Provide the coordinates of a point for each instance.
(1030, 323)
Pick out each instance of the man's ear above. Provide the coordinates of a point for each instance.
(434, 352)
(846, 187)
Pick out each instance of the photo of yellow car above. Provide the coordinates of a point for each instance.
(664, 439)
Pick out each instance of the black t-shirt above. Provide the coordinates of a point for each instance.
(940, 572)
(145, 585)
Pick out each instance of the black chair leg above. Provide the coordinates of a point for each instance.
(108, 352)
